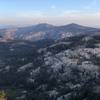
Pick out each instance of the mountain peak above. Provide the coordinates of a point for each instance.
(44, 25)
(74, 25)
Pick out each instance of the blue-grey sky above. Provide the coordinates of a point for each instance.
(57, 12)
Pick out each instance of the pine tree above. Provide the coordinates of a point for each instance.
(2, 95)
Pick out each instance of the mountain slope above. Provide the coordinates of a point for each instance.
(46, 31)
(67, 69)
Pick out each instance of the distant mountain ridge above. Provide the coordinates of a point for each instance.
(46, 31)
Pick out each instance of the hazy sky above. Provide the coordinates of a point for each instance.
(86, 12)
